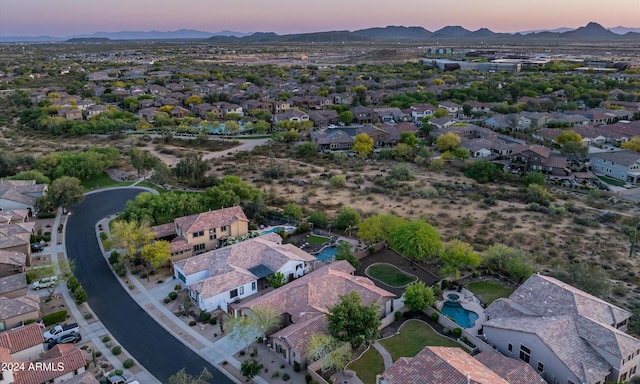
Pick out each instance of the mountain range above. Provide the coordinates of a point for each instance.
(589, 32)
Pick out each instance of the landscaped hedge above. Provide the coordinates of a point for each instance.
(457, 332)
(128, 363)
(54, 318)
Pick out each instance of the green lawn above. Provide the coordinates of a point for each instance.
(317, 240)
(414, 336)
(103, 181)
(611, 180)
(390, 275)
(368, 366)
(148, 184)
(488, 291)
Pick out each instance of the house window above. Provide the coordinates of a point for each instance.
(241, 290)
(198, 234)
(525, 353)
(540, 367)
(233, 293)
(510, 347)
(182, 278)
(198, 247)
(223, 228)
(212, 234)
(253, 286)
(633, 371)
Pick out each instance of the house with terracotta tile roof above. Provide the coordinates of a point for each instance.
(567, 335)
(85, 377)
(527, 158)
(24, 343)
(305, 302)
(15, 312)
(202, 232)
(60, 363)
(450, 365)
(222, 276)
(15, 245)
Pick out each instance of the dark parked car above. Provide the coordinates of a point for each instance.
(36, 247)
(73, 337)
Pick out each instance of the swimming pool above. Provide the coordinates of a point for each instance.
(286, 229)
(464, 317)
(326, 253)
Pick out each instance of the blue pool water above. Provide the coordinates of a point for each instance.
(326, 253)
(276, 229)
(463, 317)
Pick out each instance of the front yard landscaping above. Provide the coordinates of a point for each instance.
(368, 366)
(414, 336)
(389, 275)
(488, 290)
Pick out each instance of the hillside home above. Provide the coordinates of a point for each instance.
(20, 194)
(451, 107)
(304, 302)
(565, 334)
(332, 139)
(280, 106)
(420, 111)
(202, 232)
(217, 278)
(621, 165)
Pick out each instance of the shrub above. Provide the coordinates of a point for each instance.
(54, 318)
(98, 353)
(357, 341)
(398, 315)
(114, 257)
(308, 379)
(118, 372)
(457, 332)
(177, 287)
(213, 321)
(88, 315)
(105, 339)
(446, 331)
(434, 316)
(167, 300)
(204, 317)
(192, 323)
(296, 366)
(116, 350)
(275, 375)
(128, 363)
(173, 295)
(286, 377)
(103, 236)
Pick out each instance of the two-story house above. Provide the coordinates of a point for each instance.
(202, 232)
(621, 165)
(538, 158)
(217, 278)
(567, 335)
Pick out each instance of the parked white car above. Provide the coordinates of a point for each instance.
(45, 282)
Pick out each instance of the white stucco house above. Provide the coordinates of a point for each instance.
(226, 275)
(565, 334)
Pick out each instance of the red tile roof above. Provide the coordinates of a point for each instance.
(58, 361)
(19, 339)
(211, 219)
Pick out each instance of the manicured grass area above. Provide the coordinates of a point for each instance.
(368, 366)
(152, 186)
(317, 240)
(414, 336)
(103, 181)
(611, 180)
(390, 275)
(488, 291)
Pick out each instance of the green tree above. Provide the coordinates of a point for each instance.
(447, 142)
(349, 319)
(534, 177)
(193, 100)
(263, 318)
(250, 369)
(320, 345)
(307, 150)
(231, 127)
(80, 295)
(418, 297)
(131, 236)
(182, 377)
(484, 171)
(293, 211)
(409, 138)
(378, 227)
(277, 280)
(347, 217)
(157, 253)
(440, 113)
(64, 192)
(142, 160)
(567, 136)
(344, 253)
(192, 169)
(346, 117)
(513, 262)
(363, 144)
(576, 151)
(457, 255)
(403, 151)
(38, 176)
(417, 240)
(537, 193)
(319, 219)
(592, 279)
(338, 181)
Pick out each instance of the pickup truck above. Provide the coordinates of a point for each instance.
(59, 331)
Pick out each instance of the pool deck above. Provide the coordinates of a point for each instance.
(467, 302)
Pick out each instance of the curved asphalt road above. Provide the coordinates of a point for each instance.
(155, 348)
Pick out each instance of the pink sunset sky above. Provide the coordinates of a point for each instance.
(69, 17)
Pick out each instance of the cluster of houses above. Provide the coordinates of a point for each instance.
(21, 340)
(546, 331)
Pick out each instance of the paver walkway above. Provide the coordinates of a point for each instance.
(386, 356)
